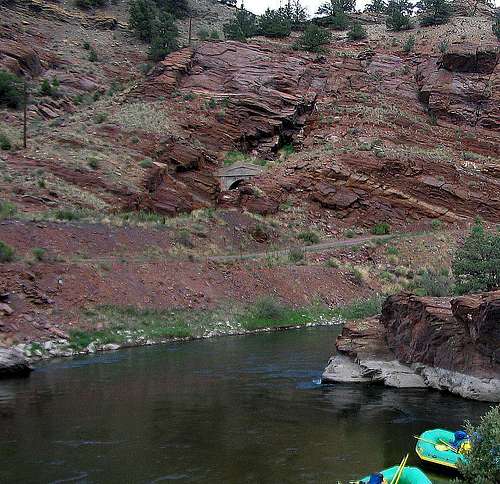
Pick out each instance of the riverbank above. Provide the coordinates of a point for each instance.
(114, 327)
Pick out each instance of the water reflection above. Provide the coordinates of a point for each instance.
(243, 409)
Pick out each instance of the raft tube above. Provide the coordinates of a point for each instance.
(427, 451)
(410, 475)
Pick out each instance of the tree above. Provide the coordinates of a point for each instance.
(482, 463)
(434, 12)
(142, 17)
(399, 15)
(10, 90)
(377, 6)
(165, 36)
(178, 8)
(242, 26)
(275, 23)
(333, 7)
(476, 265)
(357, 32)
(295, 13)
(313, 39)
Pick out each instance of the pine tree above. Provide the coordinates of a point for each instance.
(242, 26)
(275, 23)
(377, 6)
(313, 39)
(296, 13)
(399, 15)
(357, 32)
(165, 36)
(434, 12)
(476, 265)
(333, 7)
(142, 17)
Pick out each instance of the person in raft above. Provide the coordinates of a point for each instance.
(462, 442)
(377, 479)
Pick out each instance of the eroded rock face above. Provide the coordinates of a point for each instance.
(442, 343)
(463, 84)
(13, 364)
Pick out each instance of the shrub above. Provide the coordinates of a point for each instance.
(338, 22)
(68, 214)
(203, 34)
(6, 252)
(46, 88)
(309, 237)
(142, 18)
(242, 26)
(5, 143)
(93, 55)
(214, 35)
(436, 224)
(350, 234)
(332, 262)
(391, 250)
(357, 275)
(93, 163)
(476, 264)
(399, 15)
(443, 46)
(146, 163)
(7, 209)
(436, 283)
(357, 32)
(313, 39)
(39, 253)
(10, 90)
(409, 44)
(382, 228)
(482, 463)
(274, 23)
(183, 237)
(100, 118)
(434, 12)
(296, 255)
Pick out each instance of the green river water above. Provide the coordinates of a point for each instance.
(247, 409)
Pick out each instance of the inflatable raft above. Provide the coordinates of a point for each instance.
(435, 446)
(410, 475)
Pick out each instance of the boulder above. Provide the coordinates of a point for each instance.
(442, 343)
(13, 363)
(482, 58)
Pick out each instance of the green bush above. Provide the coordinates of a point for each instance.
(382, 228)
(313, 39)
(309, 237)
(296, 255)
(10, 90)
(409, 44)
(99, 118)
(391, 250)
(165, 37)
(146, 163)
(93, 163)
(482, 465)
(46, 88)
(274, 23)
(6, 252)
(7, 210)
(436, 224)
(39, 253)
(476, 265)
(214, 35)
(331, 8)
(436, 283)
(434, 12)
(93, 55)
(68, 214)
(242, 26)
(5, 143)
(399, 15)
(203, 34)
(357, 32)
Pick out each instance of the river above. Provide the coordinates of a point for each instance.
(236, 409)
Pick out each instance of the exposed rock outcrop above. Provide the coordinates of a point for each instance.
(13, 363)
(463, 84)
(442, 343)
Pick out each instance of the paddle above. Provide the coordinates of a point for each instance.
(399, 472)
(449, 446)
